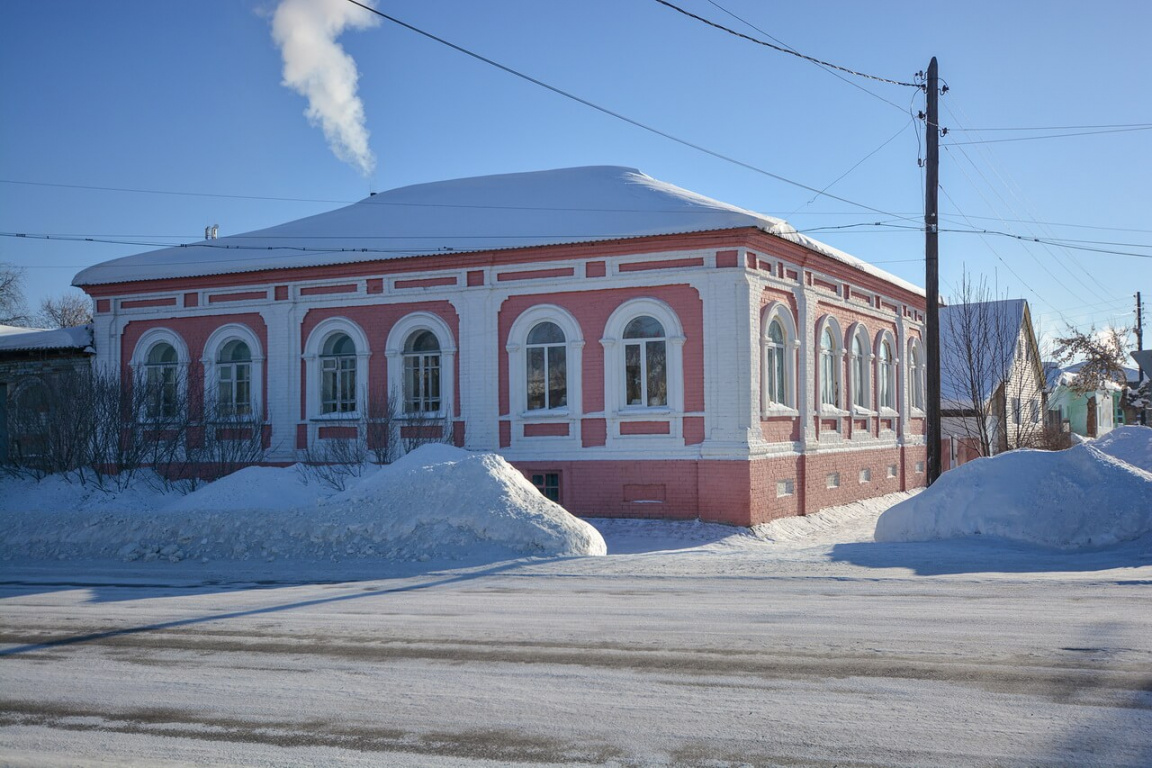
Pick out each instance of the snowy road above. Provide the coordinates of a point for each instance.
(723, 650)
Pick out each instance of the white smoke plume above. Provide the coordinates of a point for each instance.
(316, 67)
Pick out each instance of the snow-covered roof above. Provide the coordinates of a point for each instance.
(485, 213)
(14, 338)
(995, 321)
(1066, 376)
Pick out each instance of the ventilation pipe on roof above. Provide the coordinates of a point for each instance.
(210, 232)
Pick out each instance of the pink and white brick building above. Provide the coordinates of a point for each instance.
(635, 348)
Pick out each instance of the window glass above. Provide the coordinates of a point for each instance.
(829, 381)
(160, 380)
(338, 375)
(422, 373)
(774, 365)
(887, 378)
(547, 367)
(645, 363)
(234, 379)
(859, 374)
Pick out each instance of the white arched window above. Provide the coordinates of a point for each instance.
(161, 369)
(422, 373)
(916, 374)
(338, 375)
(645, 363)
(544, 363)
(159, 364)
(860, 368)
(546, 356)
(830, 354)
(886, 375)
(421, 365)
(233, 366)
(778, 361)
(234, 379)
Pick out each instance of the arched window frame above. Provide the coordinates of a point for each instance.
(860, 369)
(517, 348)
(614, 350)
(886, 376)
(313, 351)
(781, 314)
(917, 396)
(139, 363)
(830, 362)
(394, 351)
(211, 361)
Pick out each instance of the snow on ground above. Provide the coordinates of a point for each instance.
(1080, 497)
(438, 503)
(799, 643)
(1129, 444)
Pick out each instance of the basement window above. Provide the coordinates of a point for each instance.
(548, 483)
(833, 480)
(785, 488)
(866, 475)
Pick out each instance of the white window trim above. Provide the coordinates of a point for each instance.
(517, 348)
(394, 352)
(312, 349)
(139, 361)
(616, 411)
(613, 343)
(212, 347)
(780, 312)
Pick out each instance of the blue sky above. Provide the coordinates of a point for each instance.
(187, 98)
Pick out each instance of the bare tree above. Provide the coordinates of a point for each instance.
(64, 311)
(13, 308)
(984, 348)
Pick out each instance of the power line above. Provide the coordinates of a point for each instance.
(829, 70)
(1049, 136)
(854, 167)
(169, 192)
(1055, 128)
(611, 113)
(779, 48)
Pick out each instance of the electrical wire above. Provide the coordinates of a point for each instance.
(779, 48)
(1049, 136)
(829, 70)
(1055, 128)
(609, 112)
(169, 192)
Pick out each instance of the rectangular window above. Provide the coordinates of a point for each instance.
(548, 483)
(919, 467)
(892, 470)
(338, 385)
(833, 480)
(633, 375)
(1035, 412)
(1015, 410)
(866, 475)
(785, 488)
(657, 380)
(557, 377)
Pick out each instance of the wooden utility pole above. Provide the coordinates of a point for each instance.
(932, 274)
(1140, 347)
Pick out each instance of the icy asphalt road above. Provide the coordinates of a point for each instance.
(821, 649)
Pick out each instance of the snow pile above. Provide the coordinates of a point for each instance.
(1129, 444)
(1080, 497)
(438, 503)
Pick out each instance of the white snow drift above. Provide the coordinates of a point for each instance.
(1081, 497)
(1129, 444)
(438, 503)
